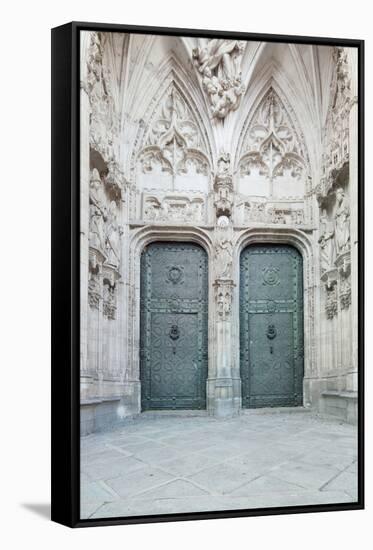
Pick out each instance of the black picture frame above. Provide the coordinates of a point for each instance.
(65, 273)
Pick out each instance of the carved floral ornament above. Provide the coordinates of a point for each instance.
(218, 62)
(174, 144)
(271, 146)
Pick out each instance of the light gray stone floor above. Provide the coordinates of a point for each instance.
(166, 463)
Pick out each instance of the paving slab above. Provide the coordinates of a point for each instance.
(163, 464)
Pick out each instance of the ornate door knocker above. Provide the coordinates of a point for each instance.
(174, 335)
(271, 334)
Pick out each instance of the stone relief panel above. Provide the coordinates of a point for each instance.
(104, 246)
(174, 155)
(174, 208)
(273, 160)
(336, 132)
(333, 191)
(266, 212)
(104, 119)
(218, 62)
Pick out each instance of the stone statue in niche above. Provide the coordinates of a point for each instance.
(113, 236)
(224, 303)
(109, 301)
(224, 248)
(342, 221)
(219, 62)
(94, 284)
(97, 211)
(327, 244)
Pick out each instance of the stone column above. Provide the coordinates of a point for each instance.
(224, 402)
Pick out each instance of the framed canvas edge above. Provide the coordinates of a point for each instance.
(65, 314)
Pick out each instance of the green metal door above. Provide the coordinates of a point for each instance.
(271, 326)
(173, 342)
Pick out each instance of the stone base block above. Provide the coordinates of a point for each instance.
(342, 405)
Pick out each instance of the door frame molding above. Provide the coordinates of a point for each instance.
(300, 241)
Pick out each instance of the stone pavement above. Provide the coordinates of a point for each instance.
(173, 463)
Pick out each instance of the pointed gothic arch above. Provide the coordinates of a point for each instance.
(191, 126)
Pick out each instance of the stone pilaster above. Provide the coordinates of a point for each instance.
(86, 376)
(354, 184)
(223, 403)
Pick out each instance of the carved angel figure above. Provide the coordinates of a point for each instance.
(342, 221)
(219, 62)
(222, 56)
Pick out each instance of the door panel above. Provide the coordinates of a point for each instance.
(271, 326)
(173, 343)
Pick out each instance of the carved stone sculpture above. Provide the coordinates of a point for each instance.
(94, 283)
(113, 236)
(327, 245)
(342, 221)
(345, 293)
(219, 62)
(223, 186)
(223, 248)
(98, 212)
(331, 304)
(109, 301)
